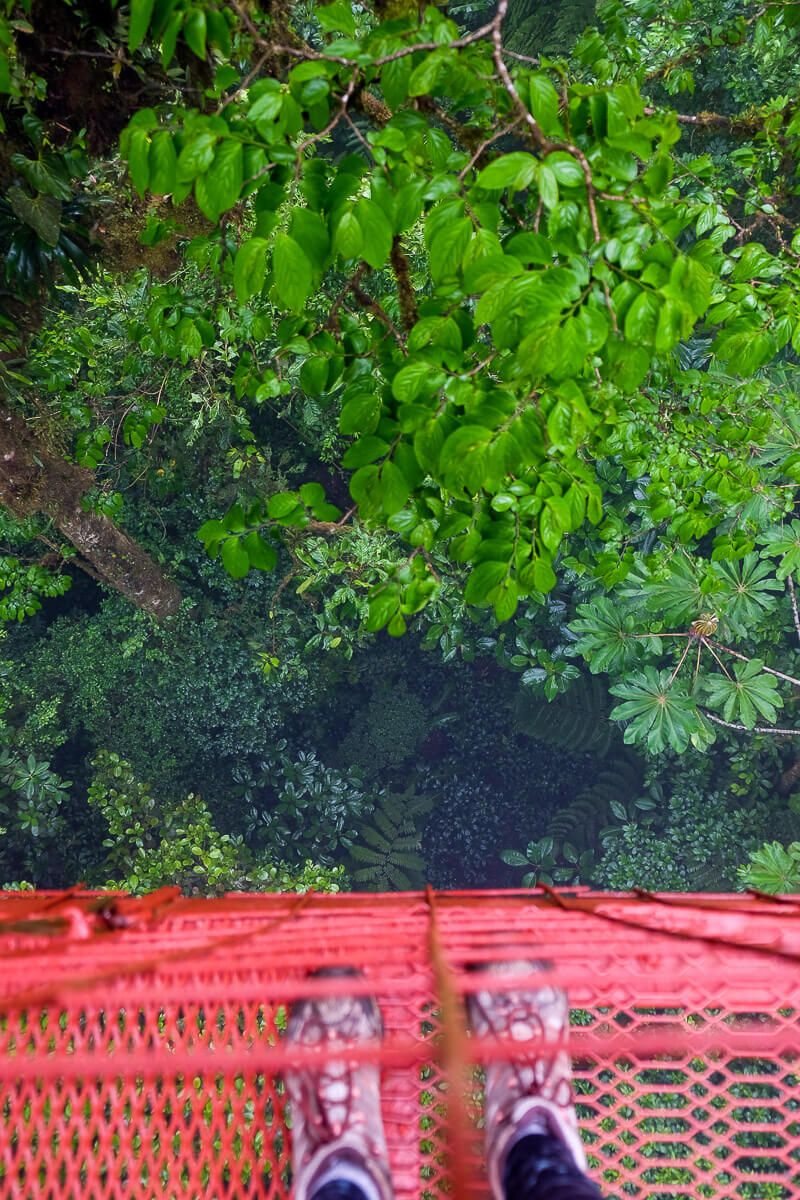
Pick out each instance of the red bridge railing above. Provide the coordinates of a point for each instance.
(141, 1040)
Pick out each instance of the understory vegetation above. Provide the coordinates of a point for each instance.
(400, 445)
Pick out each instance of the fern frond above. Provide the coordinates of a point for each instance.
(390, 844)
(577, 720)
(581, 821)
(364, 854)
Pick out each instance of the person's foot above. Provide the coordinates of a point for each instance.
(529, 1093)
(337, 1131)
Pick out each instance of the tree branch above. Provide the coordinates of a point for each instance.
(375, 308)
(793, 597)
(745, 658)
(743, 728)
(405, 288)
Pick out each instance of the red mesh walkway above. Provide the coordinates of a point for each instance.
(140, 1047)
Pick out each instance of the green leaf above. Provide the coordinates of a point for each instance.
(196, 156)
(506, 599)
(531, 248)
(483, 580)
(141, 15)
(750, 693)
(384, 603)
(607, 636)
(548, 185)
(755, 262)
(773, 869)
(544, 103)
(515, 171)
(514, 858)
(139, 159)
(544, 577)
(42, 213)
(293, 273)
(360, 413)
(376, 232)
(423, 78)
(260, 553)
(394, 488)
(658, 711)
(448, 247)
(281, 505)
(250, 268)
(314, 375)
(641, 319)
(220, 188)
(235, 558)
(348, 239)
(337, 18)
(566, 169)
(366, 450)
(412, 381)
(195, 31)
(163, 161)
(743, 348)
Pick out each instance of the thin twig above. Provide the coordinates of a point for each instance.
(744, 658)
(705, 642)
(743, 728)
(245, 84)
(526, 58)
(485, 145)
(340, 113)
(377, 311)
(542, 142)
(793, 597)
(508, 83)
(332, 321)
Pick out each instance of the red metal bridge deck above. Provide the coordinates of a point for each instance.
(141, 1048)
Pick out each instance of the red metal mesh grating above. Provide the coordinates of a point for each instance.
(141, 1049)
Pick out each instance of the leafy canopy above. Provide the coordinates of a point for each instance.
(527, 249)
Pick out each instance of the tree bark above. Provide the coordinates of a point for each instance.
(35, 480)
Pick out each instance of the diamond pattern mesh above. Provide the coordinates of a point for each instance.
(141, 1042)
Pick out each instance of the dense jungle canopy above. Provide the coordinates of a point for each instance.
(400, 443)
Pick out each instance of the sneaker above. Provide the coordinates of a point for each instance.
(337, 1130)
(531, 1092)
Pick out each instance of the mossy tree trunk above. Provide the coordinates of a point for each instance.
(35, 480)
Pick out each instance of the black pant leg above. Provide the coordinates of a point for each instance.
(540, 1167)
(339, 1189)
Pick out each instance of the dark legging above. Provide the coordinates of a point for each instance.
(539, 1167)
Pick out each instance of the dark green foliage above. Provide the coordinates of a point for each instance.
(24, 581)
(616, 782)
(492, 786)
(549, 27)
(151, 843)
(185, 703)
(34, 829)
(577, 720)
(297, 808)
(527, 403)
(388, 848)
(41, 240)
(695, 839)
(387, 729)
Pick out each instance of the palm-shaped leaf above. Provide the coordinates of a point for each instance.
(773, 868)
(659, 712)
(747, 589)
(687, 590)
(783, 541)
(745, 696)
(607, 636)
